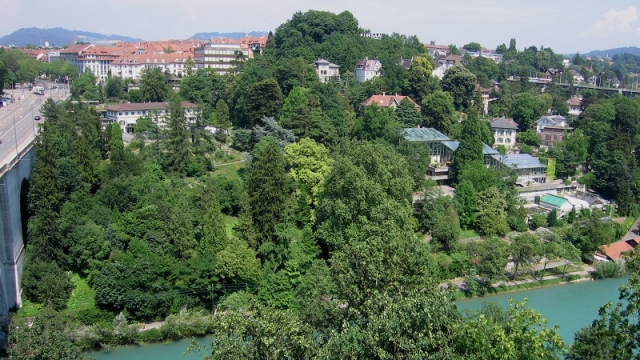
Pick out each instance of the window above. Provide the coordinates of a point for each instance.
(508, 132)
(126, 113)
(508, 141)
(120, 113)
(500, 140)
(501, 132)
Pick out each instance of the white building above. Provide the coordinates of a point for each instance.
(367, 69)
(72, 55)
(131, 66)
(221, 56)
(326, 70)
(551, 120)
(574, 105)
(127, 115)
(504, 131)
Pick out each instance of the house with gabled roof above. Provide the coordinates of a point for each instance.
(574, 105)
(551, 129)
(504, 131)
(326, 70)
(367, 69)
(615, 251)
(386, 101)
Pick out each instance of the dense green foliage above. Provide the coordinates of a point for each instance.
(329, 242)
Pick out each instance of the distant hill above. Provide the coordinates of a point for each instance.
(629, 50)
(56, 37)
(229, 35)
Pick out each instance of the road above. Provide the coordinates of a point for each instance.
(17, 125)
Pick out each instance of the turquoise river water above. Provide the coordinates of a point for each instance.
(572, 306)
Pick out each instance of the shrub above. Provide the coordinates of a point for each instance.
(150, 336)
(93, 316)
(609, 269)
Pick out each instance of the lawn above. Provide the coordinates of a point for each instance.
(229, 222)
(231, 171)
(82, 296)
(466, 234)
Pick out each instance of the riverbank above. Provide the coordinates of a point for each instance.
(518, 285)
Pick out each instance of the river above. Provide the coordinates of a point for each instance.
(572, 306)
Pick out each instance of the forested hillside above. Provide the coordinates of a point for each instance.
(326, 240)
(56, 37)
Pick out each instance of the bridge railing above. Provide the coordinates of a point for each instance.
(13, 161)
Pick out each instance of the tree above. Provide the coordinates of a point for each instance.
(473, 47)
(153, 85)
(117, 158)
(525, 109)
(45, 200)
(470, 149)
(466, 203)
(447, 229)
(46, 335)
(491, 218)
(524, 249)
(310, 163)
(115, 88)
(177, 145)
(419, 78)
(84, 87)
(528, 137)
(265, 100)
(460, 83)
(379, 122)
(265, 334)
(45, 283)
(438, 111)
(268, 188)
(524, 335)
(407, 113)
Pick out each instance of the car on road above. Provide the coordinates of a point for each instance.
(37, 117)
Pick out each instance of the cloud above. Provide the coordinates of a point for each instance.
(615, 22)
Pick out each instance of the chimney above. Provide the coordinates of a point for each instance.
(383, 93)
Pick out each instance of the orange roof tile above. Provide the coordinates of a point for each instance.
(614, 250)
(387, 100)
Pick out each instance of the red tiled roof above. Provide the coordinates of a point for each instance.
(387, 100)
(147, 106)
(75, 48)
(574, 101)
(153, 58)
(614, 250)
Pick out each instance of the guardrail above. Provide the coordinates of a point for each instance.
(9, 165)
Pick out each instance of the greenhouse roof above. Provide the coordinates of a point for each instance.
(486, 149)
(519, 161)
(423, 134)
(556, 201)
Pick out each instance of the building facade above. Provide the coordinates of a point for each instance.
(222, 57)
(127, 115)
(367, 70)
(131, 66)
(504, 132)
(387, 101)
(326, 70)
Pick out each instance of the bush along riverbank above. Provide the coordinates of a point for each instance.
(121, 332)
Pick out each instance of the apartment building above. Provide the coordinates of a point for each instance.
(127, 115)
(221, 56)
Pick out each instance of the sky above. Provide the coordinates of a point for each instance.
(566, 26)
